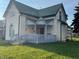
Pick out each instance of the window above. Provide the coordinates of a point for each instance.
(26, 25)
(25, 28)
(11, 31)
(60, 15)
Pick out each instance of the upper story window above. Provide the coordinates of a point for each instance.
(60, 15)
(12, 13)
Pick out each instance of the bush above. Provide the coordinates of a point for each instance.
(67, 40)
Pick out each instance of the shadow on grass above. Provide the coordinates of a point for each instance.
(69, 49)
(5, 44)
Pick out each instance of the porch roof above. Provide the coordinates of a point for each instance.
(40, 21)
(29, 22)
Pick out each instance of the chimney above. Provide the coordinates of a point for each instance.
(12, 0)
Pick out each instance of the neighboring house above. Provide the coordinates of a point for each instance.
(2, 29)
(33, 25)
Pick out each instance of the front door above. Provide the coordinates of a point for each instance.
(40, 30)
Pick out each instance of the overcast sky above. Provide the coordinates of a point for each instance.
(69, 6)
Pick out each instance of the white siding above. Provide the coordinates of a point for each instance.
(64, 26)
(58, 25)
(22, 24)
(12, 18)
(25, 29)
(57, 28)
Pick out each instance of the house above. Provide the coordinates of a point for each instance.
(36, 26)
(2, 29)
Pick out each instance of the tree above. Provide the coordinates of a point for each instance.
(75, 22)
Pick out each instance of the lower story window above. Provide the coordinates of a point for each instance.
(11, 31)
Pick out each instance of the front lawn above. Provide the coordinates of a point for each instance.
(69, 50)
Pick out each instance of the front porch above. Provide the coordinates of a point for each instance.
(40, 26)
(39, 31)
(40, 34)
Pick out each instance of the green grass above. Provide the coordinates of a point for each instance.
(68, 50)
(76, 38)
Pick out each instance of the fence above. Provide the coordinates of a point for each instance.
(34, 38)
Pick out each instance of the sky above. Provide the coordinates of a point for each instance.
(69, 6)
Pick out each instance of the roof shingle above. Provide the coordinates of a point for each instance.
(35, 12)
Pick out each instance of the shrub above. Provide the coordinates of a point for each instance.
(68, 40)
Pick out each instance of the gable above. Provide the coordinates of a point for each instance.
(11, 9)
(63, 14)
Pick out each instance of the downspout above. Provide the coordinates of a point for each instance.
(60, 32)
(60, 26)
(19, 25)
(5, 29)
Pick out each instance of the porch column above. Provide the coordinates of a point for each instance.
(35, 29)
(45, 29)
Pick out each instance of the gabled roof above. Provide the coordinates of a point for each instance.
(50, 10)
(24, 9)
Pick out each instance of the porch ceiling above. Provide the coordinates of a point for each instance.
(41, 22)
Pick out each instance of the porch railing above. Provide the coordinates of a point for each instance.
(34, 38)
